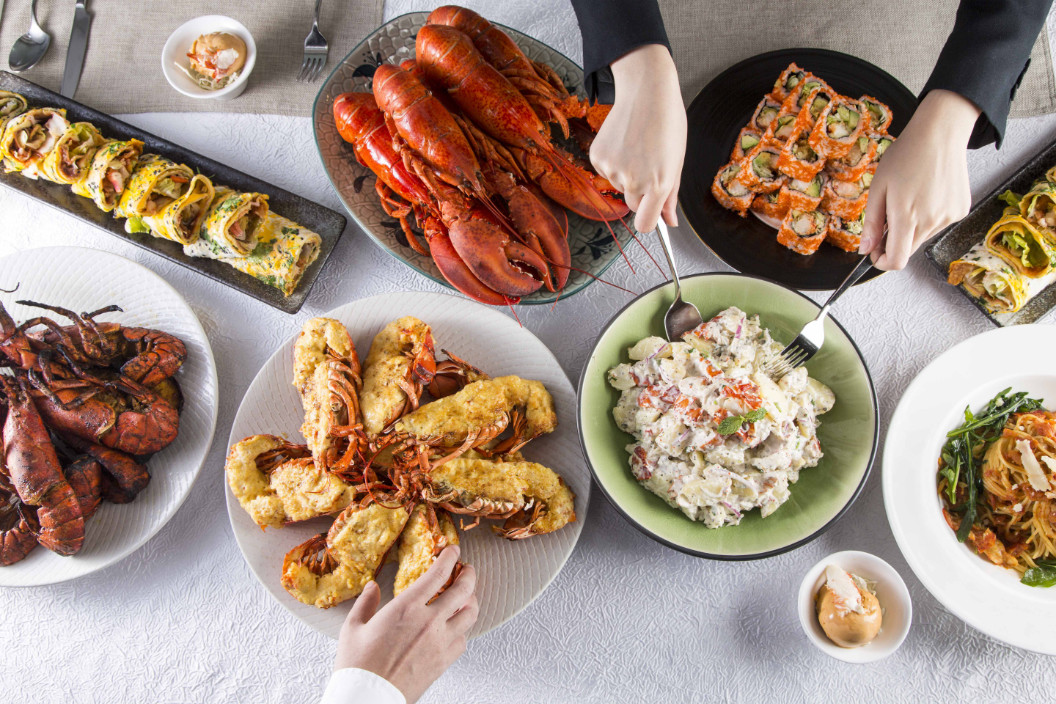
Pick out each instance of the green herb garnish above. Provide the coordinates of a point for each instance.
(1043, 575)
(1010, 198)
(731, 424)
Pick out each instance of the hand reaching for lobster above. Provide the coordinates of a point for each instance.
(921, 186)
(641, 145)
(411, 642)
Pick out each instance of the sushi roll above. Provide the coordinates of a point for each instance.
(780, 130)
(806, 195)
(846, 199)
(798, 159)
(746, 142)
(731, 193)
(759, 170)
(879, 114)
(787, 82)
(846, 234)
(882, 140)
(803, 231)
(838, 127)
(772, 205)
(802, 94)
(855, 163)
(765, 113)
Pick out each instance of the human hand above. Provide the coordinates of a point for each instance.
(642, 143)
(411, 642)
(921, 185)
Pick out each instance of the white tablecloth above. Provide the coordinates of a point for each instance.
(184, 620)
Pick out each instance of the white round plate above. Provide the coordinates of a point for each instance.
(510, 573)
(83, 280)
(985, 596)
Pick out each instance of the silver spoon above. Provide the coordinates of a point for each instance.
(31, 46)
(681, 317)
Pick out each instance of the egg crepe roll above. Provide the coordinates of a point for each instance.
(284, 250)
(234, 221)
(990, 279)
(1038, 206)
(180, 220)
(30, 137)
(72, 156)
(108, 175)
(155, 183)
(1016, 241)
(11, 105)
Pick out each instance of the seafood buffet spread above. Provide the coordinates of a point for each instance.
(805, 162)
(393, 466)
(84, 407)
(459, 139)
(715, 437)
(155, 195)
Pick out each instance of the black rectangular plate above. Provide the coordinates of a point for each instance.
(955, 240)
(324, 221)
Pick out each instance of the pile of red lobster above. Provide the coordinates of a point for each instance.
(460, 138)
(84, 406)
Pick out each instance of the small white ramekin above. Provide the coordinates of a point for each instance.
(891, 592)
(179, 43)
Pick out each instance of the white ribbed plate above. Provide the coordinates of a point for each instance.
(83, 280)
(511, 573)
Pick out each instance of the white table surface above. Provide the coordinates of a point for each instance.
(184, 620)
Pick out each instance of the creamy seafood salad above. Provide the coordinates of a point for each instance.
(714, 436)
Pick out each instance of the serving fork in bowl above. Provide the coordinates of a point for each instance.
(315, 51)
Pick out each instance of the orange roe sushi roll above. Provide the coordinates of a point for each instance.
(838, 127)
(759, 170)
(803, 231)
(747, 140)
(846, 234)
(765, 113)
(811, 111)
(846, 199)
(879, 114)
(798, 159)
(787, 82)
(730, 193)
(800, 95)
(780, 130)
(851, 166)
(882, 141)
(806, 195)
(773, 204)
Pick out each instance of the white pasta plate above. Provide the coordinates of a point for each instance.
(511, 574)
(83, 280)
(987, 597)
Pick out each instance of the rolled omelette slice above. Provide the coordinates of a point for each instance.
(1038, 207)
(109, 173)
(990, 279)
(155, 183)
(11, 105)
(234, 222)
(284, 250)
(72, 156)
(1016, 241)
(29, 137)
(181, 220)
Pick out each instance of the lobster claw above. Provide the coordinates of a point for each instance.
(455, 270)
(543, 228)
(502, 265)
(574, 187)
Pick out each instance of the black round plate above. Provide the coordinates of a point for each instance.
(717, 115)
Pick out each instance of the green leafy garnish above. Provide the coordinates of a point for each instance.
(1043, 575)
(731, 424)
(1010, 198)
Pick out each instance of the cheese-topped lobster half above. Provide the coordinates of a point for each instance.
(394, 458)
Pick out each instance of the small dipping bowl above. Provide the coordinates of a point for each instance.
(891, 592)
(179, 43)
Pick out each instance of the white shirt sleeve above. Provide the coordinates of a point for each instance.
(354, 686)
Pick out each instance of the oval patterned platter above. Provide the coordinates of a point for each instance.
(592, 245)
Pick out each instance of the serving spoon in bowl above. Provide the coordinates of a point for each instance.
(681, 317)
(31, 46)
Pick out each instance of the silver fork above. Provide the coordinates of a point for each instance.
(812, 336)
(315, 51)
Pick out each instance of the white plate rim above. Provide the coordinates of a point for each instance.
(568, 425)
(213, 403)
(922, 535)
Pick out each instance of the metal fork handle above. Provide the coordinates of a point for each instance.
(858, 272)
(665, 240)
(315, 22)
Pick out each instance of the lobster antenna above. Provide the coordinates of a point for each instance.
(597, 278)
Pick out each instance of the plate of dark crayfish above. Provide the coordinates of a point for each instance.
(107, 415)
(485, 189)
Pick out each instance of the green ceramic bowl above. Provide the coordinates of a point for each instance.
(848, 432)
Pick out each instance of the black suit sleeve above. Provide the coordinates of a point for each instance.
(985, 58)
(612, 28)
